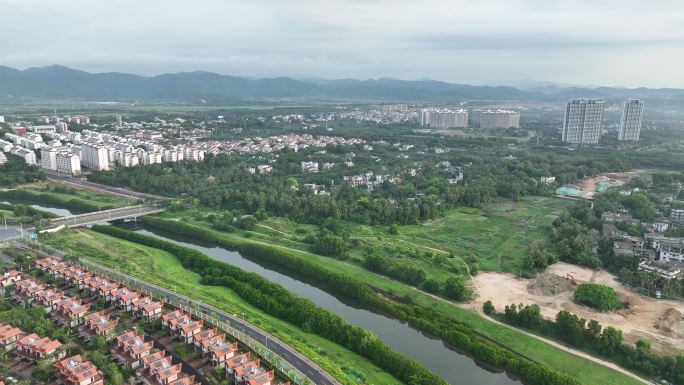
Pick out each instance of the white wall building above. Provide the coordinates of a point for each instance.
(444, 118)
(583, 121)
(28, 155)
(499, 119)
(95, 156)
(630, 124)
(68, 163)
(48, 158)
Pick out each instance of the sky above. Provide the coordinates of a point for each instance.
(600, 42)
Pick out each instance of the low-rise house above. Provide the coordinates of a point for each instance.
(667, 270)
(147, 308)
(124, 298)
(34, 348)
(244, 372)
(81, 280)
(103, 288)
(221, 351)
(264, 378)
(42, 264)
(161, 371)
(189, 380)
(28, 289)
(166, 318)
(69, 311)
(609, 230)
(11, 277)
(49, 299)
(77, 371)
(233, 363)
(204, 335)
(187, 329)
(8, 336)
(148, 360)
(131, 348)
(97, 324)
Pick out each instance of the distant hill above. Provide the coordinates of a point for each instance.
(59, 82)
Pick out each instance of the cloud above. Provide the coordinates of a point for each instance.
(583, 41)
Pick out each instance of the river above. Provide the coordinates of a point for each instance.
(456, 368)
(55, 210)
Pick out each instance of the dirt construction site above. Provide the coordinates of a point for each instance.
(658, 321)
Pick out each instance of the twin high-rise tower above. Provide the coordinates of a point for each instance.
(630, 124)
(584, 119)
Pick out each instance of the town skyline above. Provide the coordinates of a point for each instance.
(458, 42)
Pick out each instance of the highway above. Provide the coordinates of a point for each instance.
(105, 216)
(100, 187)
(293, 358)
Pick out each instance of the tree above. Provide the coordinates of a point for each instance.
(488, 308)
(393, 229)
(600, 297)
(327, 243)
(457, 288)
(610, 340)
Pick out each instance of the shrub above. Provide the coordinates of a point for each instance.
(600, 297)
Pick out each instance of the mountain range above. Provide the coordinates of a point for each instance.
(59, 82)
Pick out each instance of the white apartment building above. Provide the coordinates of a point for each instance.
(583, 121)
(28, 155)
(444, 118)
(630, 124)
(95, 156)
(68, 163)
(5, 146)
(309, 166)
(677, 215)
(48, 158)
(3, 158)
(499, 119)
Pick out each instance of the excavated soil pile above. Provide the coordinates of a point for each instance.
(549, 284)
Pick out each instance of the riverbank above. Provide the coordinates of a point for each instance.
(586, 372)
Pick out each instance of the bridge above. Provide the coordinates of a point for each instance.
(104, 216)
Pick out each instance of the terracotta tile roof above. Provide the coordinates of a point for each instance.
(215, 340)
(76, 370)
(237, 361)
(262, 378)
(33, 342)
(173, 315)
(7, 332)
(189, 380)
(248, 368)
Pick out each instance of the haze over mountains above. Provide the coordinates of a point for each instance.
(58, 82)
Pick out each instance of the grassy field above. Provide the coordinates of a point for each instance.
(163, 269)
(68, 192)
(495, 237)
(585, 371)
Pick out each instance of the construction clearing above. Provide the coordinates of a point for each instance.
(659, 321)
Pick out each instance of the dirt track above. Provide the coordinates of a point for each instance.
(647, 318)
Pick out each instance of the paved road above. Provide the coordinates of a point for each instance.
(101, 187)
(317, 375)
(104, 216)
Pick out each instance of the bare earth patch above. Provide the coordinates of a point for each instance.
(659, 321)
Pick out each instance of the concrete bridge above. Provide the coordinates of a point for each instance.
(104, 216)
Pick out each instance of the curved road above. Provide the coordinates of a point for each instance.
(314, 372)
